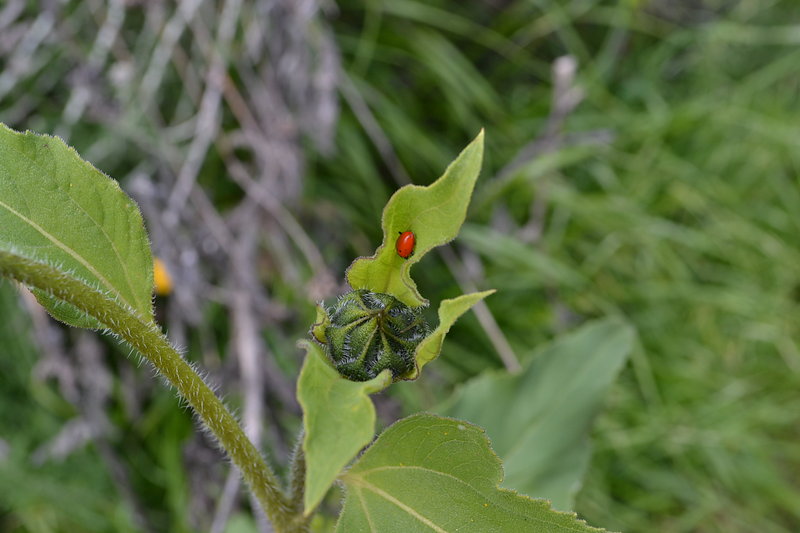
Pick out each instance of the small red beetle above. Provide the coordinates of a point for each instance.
(405, 244)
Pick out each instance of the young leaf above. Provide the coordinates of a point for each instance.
(431, 474)
(59, 210)
(433, 213)
(321, 322)
(338, 418)
(539, 420)
(449, 311)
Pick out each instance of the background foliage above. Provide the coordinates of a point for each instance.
(654, 176)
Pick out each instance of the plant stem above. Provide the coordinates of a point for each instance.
(297, 479)
(145, 336)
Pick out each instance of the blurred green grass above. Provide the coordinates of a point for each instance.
(686, 224)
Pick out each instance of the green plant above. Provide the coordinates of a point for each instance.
(70, 234)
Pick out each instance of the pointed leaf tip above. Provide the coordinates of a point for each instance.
(434, 214)
(449, 311)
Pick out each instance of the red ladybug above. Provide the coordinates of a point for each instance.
(405, 244)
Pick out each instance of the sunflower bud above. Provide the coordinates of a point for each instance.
(370, 332)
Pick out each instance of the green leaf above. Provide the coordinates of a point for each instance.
(338, 419)
(434, 213)
(59, 210)
(426, 473)
(539, 420)
(449, 311)
(321, 322)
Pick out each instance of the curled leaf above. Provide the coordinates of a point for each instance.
(321, 322)
(434, 214)
(449, 311)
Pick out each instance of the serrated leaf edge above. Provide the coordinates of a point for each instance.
(539, 501)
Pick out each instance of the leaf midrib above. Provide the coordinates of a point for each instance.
(358, 480)
(391, 499)
(66, 249)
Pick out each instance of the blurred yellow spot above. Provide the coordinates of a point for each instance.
(161, 278)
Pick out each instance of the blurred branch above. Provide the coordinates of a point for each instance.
(226, 502)
(254, 362)
(482, 311)
(245, 336)
(374, 131)
(246, 288)
(10, 12)
(258, 192)
(81, 93)
(566, 96)
(172, 32)
(23, 59)
(207, 121)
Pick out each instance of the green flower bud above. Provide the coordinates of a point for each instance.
(370, 332)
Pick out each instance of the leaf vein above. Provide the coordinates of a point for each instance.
(123, 264)
(64, 247)
(391, 499)
(364, 506)
(359, 479)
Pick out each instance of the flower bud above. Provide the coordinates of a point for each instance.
(370, 332)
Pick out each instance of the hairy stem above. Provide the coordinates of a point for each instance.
(297, 479)
(145, 336)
